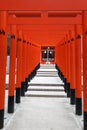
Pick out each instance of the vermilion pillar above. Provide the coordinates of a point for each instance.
(3, 51)
(19, 67)
(85, 67)
(68, 64)
(65, 64)
(26, 66)
(65, 46)
(78, 70)
(12, 70)
(27, 61)
(23, 83)
(72, 67)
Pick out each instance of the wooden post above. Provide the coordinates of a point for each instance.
(19, 67)
(12, 70)
(68, 64)
(23, 83)
(78, 70)
(72, 67)
(3, 51)
(85, 68)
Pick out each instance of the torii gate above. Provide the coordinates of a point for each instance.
(46, 24)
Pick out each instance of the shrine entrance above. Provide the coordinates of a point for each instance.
(48, 54)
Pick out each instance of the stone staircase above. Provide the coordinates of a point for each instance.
(46, 83)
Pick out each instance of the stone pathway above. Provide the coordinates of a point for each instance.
(45, 106)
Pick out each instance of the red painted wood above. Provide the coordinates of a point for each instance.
(19, 61)
(72, 60)
(12, 71)
(3, 51)
(85, 58)
(78, 61)
(43, 5)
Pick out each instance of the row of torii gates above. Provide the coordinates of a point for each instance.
(68, 55)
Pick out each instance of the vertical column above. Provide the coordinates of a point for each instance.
(85, 67)
(65, 46)
(65, 65)
(19, 67)
(63, 62)
(72, 67)
(27, 60)
(68, 64)
(78, 70)
(12, 70)
(30, 60)
(26, 79)
(3, 51)
(23, 83)
(48, 54)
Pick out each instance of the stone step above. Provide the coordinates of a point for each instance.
(51, 66)
(47, 70)
(39, 75)
(50, 71)
(48, 87)
(46, 80)
(45, 94)
(30, 89)
(47, 74)
(47, 67)
(45, 88)
(44, 84)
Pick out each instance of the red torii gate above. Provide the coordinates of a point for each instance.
(45, 30)
(56, 6)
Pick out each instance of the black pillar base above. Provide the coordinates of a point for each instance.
(63, 79)
(78, 106)
(26, 84)
(23, 85)
(68, 89)
(85, 121)
(38, 66)
(65, 82)
(1, 119)
(18, 94)
(33, 73)
(72, 96)
(31, 76)
(28, 78)
(10, 104)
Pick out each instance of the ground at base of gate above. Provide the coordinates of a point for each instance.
(44, 107)
(44, 114)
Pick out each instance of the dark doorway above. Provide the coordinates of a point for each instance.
(48, 54)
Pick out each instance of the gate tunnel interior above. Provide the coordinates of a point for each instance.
(45, 28)
(33, 25)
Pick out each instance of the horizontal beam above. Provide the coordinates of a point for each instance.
(47, 13)
(43, 5)
(47, 28)
(42, 21)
